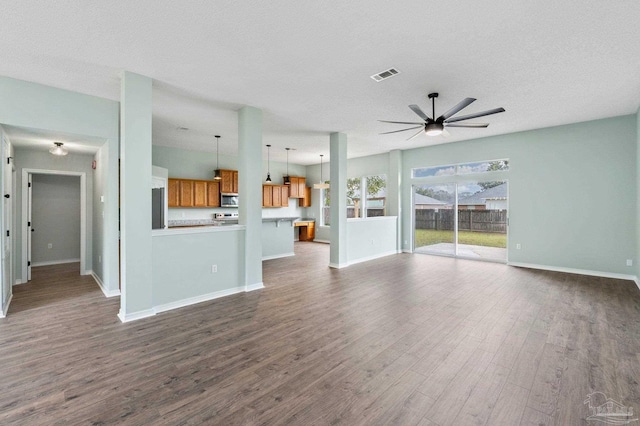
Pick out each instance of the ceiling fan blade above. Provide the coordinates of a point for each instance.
(399, 122)
(476, 115)
(419, 131)
(456, 109)
(421, 114)
(468, 125)
(403, 130)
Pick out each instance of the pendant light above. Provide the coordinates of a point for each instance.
(287, 181)
(58, 149)
(322, 184)
(268, 179)
(216, 173)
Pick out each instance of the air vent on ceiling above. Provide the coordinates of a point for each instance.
(385, 74)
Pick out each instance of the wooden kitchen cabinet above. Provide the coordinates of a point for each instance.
(307, 231)
(284, 196)
(173, 193)
(229, 181)
(213, 194)
(293, 186)
(306, 200)
(193, 193)
(199, 193)
(275, 196)
(297, 186)
(185, 188)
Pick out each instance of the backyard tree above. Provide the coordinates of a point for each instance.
(494, 166)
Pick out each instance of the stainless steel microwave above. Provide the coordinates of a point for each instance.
(228, 200)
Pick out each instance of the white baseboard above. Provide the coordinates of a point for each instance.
(637, 282)
(18, 282)
(278, 256)
(576, 271)
(3, 314)
(252, 287)
(322, 241)
(407, 251)
(107, 293)
(373, 257)
(55, 262)
(135, 315)
(338, 265)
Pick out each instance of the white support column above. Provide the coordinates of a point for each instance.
(338, 250)
(250, 190)
(135, 197)
(394, 192)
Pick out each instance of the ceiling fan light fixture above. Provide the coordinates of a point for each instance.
(58, 149)
(433, 129)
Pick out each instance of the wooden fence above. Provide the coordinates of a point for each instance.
(468, 220)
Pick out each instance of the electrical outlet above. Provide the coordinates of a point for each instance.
(629, 262)
(518, 246)
(49, 245)
(214, 269)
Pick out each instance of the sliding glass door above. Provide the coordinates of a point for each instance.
(434, 219)
(465, 219)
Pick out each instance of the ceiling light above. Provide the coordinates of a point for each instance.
(322, 184)
(286, 179)
(58, 149)
(216, 173)
(268, 179)
(433, 129)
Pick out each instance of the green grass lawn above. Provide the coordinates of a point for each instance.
(425, 237)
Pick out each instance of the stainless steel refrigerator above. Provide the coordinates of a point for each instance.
(157, 208)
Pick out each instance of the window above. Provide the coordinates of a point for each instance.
(461, 169)
(376, 204)
(325, 196)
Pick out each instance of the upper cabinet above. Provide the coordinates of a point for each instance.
(275, 196)
(297, 186)
(306, 200)
(229, 182)
(193, 193)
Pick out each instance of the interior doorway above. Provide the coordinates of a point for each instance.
(63, 251)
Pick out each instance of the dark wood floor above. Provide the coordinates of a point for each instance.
(404, 340)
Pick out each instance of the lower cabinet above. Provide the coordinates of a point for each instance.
(307, 231)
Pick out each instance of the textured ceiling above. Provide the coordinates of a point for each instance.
(307, 63)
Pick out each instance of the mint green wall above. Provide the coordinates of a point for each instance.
(43, 107)
(572, 191)
(135, 195)
(277, 239)
(182, 265)
(370, 238)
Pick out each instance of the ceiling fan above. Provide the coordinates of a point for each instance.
(436, 126)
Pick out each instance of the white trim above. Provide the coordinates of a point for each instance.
(136, 315)
(252, 287)
(637, 282)
(107, 293)
(196, 230)
(278, 256)
(406, 251)
(373, 257)
(18, 282)
(55, 262)
(83, 212)
(338, 265)
(3, 314)
(321, 241)
(576, 271)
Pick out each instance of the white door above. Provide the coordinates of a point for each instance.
(29, 226)
(8, 219)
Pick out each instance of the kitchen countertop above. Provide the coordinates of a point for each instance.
(193, 223)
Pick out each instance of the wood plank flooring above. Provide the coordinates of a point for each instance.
(403, 340)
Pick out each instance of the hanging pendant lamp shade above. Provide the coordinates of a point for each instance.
(58, 149)
(268, 179)
(216, 174)
(286, 179)
(322, 184)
